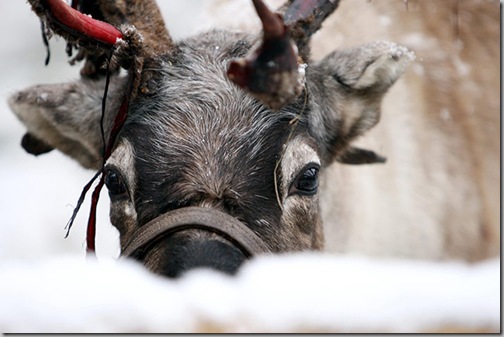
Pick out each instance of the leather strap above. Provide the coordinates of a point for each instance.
(197, 218)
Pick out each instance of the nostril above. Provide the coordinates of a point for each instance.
(214, 254)
(34, 146)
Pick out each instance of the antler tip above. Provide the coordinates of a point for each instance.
(273, 24)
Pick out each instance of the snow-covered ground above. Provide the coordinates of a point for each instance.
(302, 293)
(47, 285)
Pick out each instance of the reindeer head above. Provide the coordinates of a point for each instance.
(210, 147)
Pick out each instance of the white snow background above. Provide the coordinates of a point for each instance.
(48, 285)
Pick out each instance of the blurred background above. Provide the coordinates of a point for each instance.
(38, 194)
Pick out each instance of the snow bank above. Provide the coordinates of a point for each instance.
(297, 293)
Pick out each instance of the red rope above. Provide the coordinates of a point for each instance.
(91, 228)
(116, 128)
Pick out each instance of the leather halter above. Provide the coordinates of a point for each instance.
(203, 218)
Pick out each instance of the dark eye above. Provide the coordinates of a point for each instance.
(306, 183)
(114, 182)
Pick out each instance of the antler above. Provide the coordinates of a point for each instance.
(105, 25)
(304, 18)
(145, 16)
(274, 72)
(271, 72)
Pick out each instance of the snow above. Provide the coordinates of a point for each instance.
(302, 292)
(48, 285)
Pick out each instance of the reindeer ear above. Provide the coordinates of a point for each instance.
(347, 88)
(67, 117)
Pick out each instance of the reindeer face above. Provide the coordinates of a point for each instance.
(193, 139)
(214, 146)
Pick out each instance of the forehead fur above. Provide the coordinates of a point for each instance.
(200, 139)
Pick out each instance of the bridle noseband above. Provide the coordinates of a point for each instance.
(208, 219)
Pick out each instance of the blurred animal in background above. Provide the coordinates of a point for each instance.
(438, 195)
(211, 146)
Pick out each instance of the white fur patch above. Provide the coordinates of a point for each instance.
(296, 156)
(123, 159)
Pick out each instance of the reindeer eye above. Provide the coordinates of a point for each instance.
(306, 183)
(114, 182)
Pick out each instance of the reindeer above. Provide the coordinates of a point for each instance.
(210, 147)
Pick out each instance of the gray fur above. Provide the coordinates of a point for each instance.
(194, 138)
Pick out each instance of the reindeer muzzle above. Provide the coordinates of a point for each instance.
(200, 218)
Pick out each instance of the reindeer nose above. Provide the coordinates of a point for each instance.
(182, 252)
(238, 242)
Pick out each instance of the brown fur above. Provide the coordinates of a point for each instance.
(145, 16)
(444, 115)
